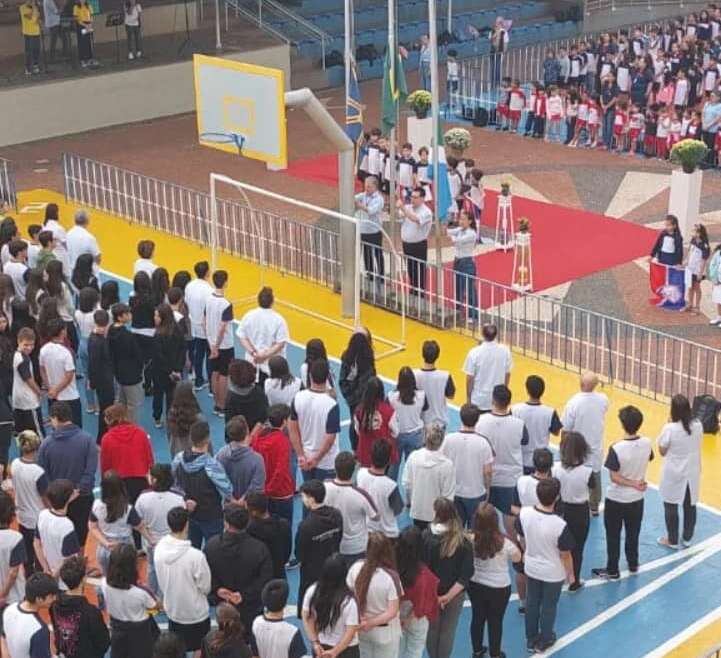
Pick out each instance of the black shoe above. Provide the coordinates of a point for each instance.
(574, 587)
(542, 646)
(531, 646)
(604, 573)
(482, 652)
(521, 610)
(633, 569)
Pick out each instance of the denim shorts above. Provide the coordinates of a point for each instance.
(502, 498)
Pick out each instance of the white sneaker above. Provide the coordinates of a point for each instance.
(139, 54)
(131, 56)
(716, 320)
(686, 542)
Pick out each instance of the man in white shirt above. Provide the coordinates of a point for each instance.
(472, 458)
(314, 426)
(585, 413)
(81, 241)
(196, 296)
(263, 333)
(218, 317)
(369, 206)
(17, 268)
(487, 365)
(437, 384)
(57, 368)
(417, 222)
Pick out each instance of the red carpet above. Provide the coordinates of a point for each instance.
(322, 169)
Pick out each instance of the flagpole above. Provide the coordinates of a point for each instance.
(392, 50)
(349, 247)
(435, 121)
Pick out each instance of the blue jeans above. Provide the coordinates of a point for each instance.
(541, 603)
(496, 65)
(200, 353)
(282, 507)
(407, 443)
(466, 268)
(425, 71)
(204, 530)
(608, 118)
(467, 508)
(83, 361)
(153, 585)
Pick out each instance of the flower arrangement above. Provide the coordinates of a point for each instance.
(505, 188)
(524, 226)
(420, 102)
(458, 139)
(689, 153)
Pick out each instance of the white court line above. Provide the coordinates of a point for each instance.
(634, 598)
(690, 631)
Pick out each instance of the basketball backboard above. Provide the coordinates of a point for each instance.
(241, 108)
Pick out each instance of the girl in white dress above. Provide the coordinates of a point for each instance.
(714, 275)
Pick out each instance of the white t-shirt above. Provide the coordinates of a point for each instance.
(23, 397)
(58, 538)
(196, 296)
(85, 322)
(412, 232)
(278, 394)
(127, 604)
(629, 458)
(541, 421)
(383, 589)
(526, 491)
(507, 436)
(118, 530)
(386, 497)
(409, 416)
(681, 463)
(493, 572)
(586, 413)
(144, 265)
(348, 617)
(57, 361)
(263, 327)
(488, 364)
(81, 241)
(30, 484)
(12, 554)
(317, 414)
(33, 252)
(356, 508)
(26, 634)
(546, 535)
(470, 453)
(217, 311)
(60, 237)
(153, 507)
(574, 482)
(438, 386)
(17, 272)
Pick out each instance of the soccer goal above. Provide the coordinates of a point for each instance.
(304, 249)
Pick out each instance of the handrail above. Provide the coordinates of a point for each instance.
(267, 27)
(713, 653)
(8, 190)
(308, 25)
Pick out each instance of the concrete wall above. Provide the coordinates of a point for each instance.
(71, 106)
(600, 21)
(162, 19)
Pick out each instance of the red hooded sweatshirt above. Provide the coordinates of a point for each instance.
(126, 450)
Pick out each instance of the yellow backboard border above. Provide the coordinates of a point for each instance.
(281, 160)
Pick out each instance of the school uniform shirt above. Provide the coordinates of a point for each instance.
(682, 462)
(58, 361)
(57, 536)
(81, 241)
(517, 100)
(525, 494)
(384, 588)
(24, 398)
(356, 508)
(493, 571)
(554, 107)
(118, 530)
(18, 272)
(698, 253)
(347, 616)
(412, 232)
(623, 77)
(488, 364)
(33, 249)
(546, 535)
(470, 453)
(438, 386)
(680, 96)
(144, 265)
(464, 242)
(29, 484)
(575, 482)
(576, 63)
(26, 634)
(196, 296)
(317, 414)
(60, 237)
(276, 638)
(541, 421)
(279, 394)
(263, 327)
(386, 497)
(219, 310)
(29, 20)
(406, 168)
(586, 413)
(409, 416)
(12, 554)
(153, 506)
(507, 436)
(629, 458)
(370, 219)
(375, 162)
(130, 605)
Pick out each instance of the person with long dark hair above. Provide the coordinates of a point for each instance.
(490, 586)
(183, 412)
(245, 397)
(374, 419)
(160, 284)
(450, 556)
(58, 289)
(142, 323)
(83, 275)
(181, 279)
(377, 588)
(409, 404)
(168, 360)
(576, 477)
(330, 613)
(680, 445)
(315, 351)
(228, 640)
(668, 248)
(419, 605)
(357, 366)
(60, 236)
(281, 386)
(88, 299)
(109, 295)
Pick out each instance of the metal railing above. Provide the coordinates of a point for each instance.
(713, 653)
(636, 358)
(592, 6)
(241, 10)
(8, 190)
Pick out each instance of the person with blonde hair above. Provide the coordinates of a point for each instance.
(428, 475)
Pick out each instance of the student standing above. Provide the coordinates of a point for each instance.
(547, 563)
(26, 394)
(16, 268)
(142, 322)
(271, 636)
(185, 580)
(273, 531)
(680, 445)
(330, 612)
(100, 368)
(81, 241)
(368, 208)
(196, 295)
(449, 556)
(585, 413)
(357, 367)
(417, 221)
(245, 397)
(626, 462)
(244, 467)
(218, 318)
(57, 368)
(24, 631)
(128, 362)
(228, 640)
(382, 490)
(489, 588)
(144, 262)
(281, 386)
(30, 21)
(486, 366)
(168, 360)
(375, 420)
(576, 478)
(437, 385)
(472, 458)
(668, 248)
(409, 404)
(12, 555)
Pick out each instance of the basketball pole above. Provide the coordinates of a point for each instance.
(435, 122)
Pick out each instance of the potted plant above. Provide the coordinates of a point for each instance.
(524, 226)
(689, 153)
(420, 102)
(456, 141)
(505, 188)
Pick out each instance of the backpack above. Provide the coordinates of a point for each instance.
(706, 409)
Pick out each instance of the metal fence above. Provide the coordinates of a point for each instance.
(595, 6)
(636, 358)
(8, 191)
(714, 653)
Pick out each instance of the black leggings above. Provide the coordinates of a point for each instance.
(689, 519)
(488, 605)
(577, 516)
(31, 562)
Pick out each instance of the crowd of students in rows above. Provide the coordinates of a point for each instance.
(216, 529)
(636, 92)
